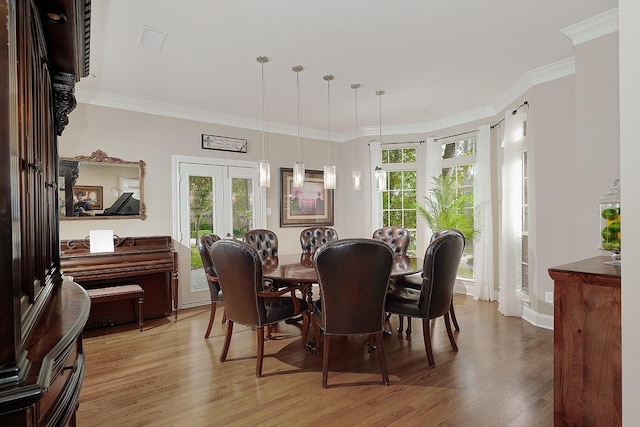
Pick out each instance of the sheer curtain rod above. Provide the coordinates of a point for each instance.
(497, 124)
(405, 143)
(525, 103)
(457, 134)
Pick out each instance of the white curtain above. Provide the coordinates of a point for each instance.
(509, 302)
(433, 168)
(483, 244)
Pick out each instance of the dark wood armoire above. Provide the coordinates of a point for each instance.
(44, 51)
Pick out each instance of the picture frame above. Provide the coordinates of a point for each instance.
(307, 206)
(92, 195)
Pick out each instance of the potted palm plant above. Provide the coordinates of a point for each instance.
(445, 207)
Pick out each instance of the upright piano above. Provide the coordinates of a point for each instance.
(150, 262)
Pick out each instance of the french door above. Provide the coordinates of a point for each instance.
(220, 198)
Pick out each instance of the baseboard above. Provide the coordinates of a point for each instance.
(540, 320)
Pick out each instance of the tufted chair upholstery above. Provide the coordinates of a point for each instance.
(205, 242)
(396, 237)
(265, 242)
(353, 276)
(433, 299)
(314, 237)
(239, 269)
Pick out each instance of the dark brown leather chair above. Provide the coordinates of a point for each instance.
(205, 242)
(415, 282)
(239, 269)
(396, 237)
(353, 275)
(265, 242)
(312, 238)
(433, 300)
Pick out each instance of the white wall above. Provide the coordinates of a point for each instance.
(553, 204)
(154, 139)
(629, 14)
(597, 151)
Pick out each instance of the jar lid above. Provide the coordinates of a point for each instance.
(613, 196)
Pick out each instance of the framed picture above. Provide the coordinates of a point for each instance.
(89, 197)
(306, 206)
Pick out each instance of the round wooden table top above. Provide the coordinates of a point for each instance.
(298, 268)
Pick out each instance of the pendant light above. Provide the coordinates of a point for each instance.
(264, 168)
(356, 174)
(298, 167)
(381, 174)
(329, 170)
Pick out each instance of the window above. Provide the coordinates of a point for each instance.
(399, 200)
(459, 160)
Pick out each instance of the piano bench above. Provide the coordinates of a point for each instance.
(117, 293)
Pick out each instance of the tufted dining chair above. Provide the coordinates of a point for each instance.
(205, 242)
(415, 282)
(353, 275)
(314, 237)
(239, 269)
(265, 242)
(396, 237)
(433, 299)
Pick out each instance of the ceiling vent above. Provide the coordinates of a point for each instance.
(151, 37)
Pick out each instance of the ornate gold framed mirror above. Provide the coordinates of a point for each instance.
(100, 187)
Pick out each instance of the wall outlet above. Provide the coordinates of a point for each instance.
(548, 297)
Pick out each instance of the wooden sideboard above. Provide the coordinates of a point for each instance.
(587, 344)
(150, 262)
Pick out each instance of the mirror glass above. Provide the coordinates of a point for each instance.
(100, 187)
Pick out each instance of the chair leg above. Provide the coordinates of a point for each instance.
(269, 332)
(400, 324)
(260, 332)
(427, 342)
(381, 358)
(316, 334)
(305, 329)
(409, 330)
(325, 361)
(449, 332)
(227, 341)
(224, 315)
(211, 318)
(453, 317)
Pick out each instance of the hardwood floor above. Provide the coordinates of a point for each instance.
(169, 375)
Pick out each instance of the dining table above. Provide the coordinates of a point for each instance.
(299, 269)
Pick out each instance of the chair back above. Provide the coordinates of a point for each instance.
(439, 233)
(353, 275)
(205, 242)
(265, 242)
(396, 237)
(441, 262)
(239, 271)
(312, 238)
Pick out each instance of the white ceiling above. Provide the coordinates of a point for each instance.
(436, 60)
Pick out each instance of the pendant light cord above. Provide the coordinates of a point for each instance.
(380, 93)
(355, 88)
(328, 78)
(263, 109)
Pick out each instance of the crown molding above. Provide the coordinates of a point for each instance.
(537, 76)
(531, 78)
(176, 111)
(592, 28)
